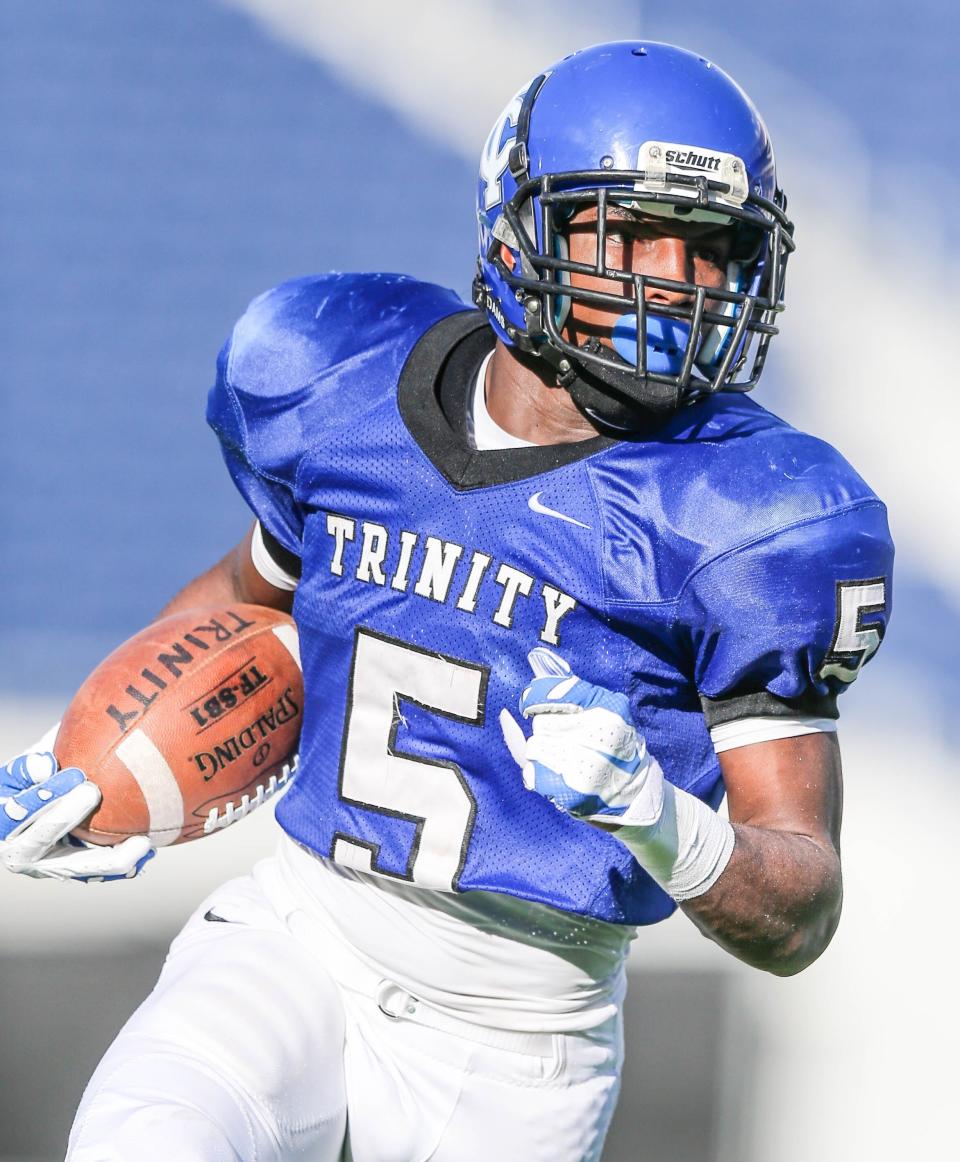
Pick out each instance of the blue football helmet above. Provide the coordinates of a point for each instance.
(654, 131)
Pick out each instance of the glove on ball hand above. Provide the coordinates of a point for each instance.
(39, 806)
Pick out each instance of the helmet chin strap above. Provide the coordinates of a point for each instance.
(623, 399)
(620, 399)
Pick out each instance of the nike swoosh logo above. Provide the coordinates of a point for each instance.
(534, 504)
(212, 915)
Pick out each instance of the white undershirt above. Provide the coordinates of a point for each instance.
(484, 956)
(483, 431)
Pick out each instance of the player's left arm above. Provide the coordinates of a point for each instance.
(776, 629)
(784, 625)
(777, 902)
(765, 884)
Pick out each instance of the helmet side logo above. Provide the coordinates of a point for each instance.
(496, 153)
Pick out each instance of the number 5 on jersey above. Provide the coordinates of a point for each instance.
(374, 775)
(855, 640)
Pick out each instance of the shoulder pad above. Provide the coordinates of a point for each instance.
(772, 473)
(301, 328)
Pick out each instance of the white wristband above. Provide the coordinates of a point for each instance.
(687, 850)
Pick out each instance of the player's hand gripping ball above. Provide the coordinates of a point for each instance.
(39, 805)
(189, 725)
(585, 754)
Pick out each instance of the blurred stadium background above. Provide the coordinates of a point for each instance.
(165, 161)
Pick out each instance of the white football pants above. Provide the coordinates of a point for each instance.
(266, 1040)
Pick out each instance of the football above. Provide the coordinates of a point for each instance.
(188, 725)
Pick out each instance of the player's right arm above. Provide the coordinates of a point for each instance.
(239, 576)
(40, 805)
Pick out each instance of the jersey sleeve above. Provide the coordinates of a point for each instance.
(257, 408)
(782, 625)
(299, 360)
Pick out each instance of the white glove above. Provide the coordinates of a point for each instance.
(587, 757)
(39, 806)
(585, 754)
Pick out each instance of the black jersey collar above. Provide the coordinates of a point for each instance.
(433, 396)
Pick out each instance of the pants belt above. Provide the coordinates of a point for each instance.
(398, 1004)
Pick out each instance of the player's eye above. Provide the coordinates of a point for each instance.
(628, 234)
(709, 253)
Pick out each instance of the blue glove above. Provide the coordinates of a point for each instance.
(585, 754)
(39, 806)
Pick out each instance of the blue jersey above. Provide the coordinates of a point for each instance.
(722, 566)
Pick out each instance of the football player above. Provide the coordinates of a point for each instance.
(565, 496)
